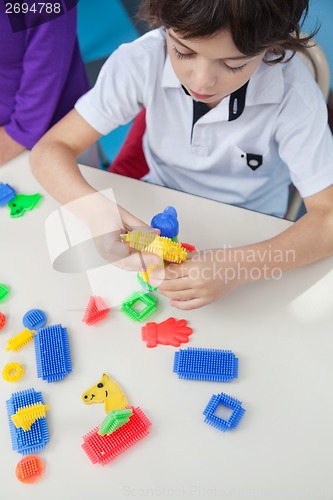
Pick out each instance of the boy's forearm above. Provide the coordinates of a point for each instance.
(56, 169)
(53, 159)
(9, 148)
(306, 241)
(54, 166)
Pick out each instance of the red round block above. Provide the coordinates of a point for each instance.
(29, 469)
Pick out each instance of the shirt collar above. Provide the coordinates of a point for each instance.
(169, 78)
(266, 85)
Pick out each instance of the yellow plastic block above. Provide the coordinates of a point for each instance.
(12, 372)
(108, 392)
(27, 415)
(162, 246)
(20, 340)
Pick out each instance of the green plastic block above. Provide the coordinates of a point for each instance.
(128, 307)
(22, 203)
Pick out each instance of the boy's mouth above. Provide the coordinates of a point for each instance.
(201, 96)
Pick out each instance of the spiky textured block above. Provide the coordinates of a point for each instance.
(29, 469)
(114, 420)
(34, 319)
(143, 279)
(4, 291)
(206, 364)
(26, 442)
(13, 372)
(103, 449)
(96, 310)
(20, 340)
(229, 402)
(27, 415)
(2, 320)
(7, 194)
(162, 246)
(128, 306)
(52, 353)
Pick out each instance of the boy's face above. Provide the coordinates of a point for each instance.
(210, 68)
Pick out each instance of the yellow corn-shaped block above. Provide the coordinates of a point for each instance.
(160, 245)
(27, 415)
(19, 340)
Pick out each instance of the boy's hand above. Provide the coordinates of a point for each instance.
(111, 247)
(107, 221)
(203, 278)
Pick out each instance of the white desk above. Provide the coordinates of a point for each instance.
(281, 331)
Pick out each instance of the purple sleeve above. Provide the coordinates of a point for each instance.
(53, 78)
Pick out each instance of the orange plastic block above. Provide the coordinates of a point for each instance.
(29, 469)
(96, 310)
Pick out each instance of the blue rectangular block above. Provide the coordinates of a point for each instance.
(206, 364)
(52, 353)
(26, 442)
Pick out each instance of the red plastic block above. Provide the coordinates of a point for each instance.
(169, 332)
(189, 247)
(2, 320)
(103, 449)
(29, 469)
(96, 310)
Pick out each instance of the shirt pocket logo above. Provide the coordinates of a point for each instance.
(247, 164)
(253, 161)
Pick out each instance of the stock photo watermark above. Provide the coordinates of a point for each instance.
(239, 264)
(75, 247)
(26, 14)
(191, 491)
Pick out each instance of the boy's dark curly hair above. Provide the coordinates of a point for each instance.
(255, 25)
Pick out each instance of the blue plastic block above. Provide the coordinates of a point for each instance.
(52, 353)
(206, 364)
(166, 222)
(34, 319)
(26, 442)
(218, 422)
(7, 194)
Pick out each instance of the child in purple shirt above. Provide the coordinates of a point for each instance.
(41, 77)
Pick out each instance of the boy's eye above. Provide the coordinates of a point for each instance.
(234, 70)
(180, 55)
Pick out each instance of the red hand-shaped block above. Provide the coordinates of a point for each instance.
(169, 332)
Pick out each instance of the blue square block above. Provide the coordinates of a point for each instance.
(229, 402)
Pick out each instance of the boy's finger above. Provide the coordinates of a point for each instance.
(137, 262)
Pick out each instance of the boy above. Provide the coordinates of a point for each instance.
(226, 119)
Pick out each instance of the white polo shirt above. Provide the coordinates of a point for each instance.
(245, 151)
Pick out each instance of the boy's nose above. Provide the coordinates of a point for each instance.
(203, 79)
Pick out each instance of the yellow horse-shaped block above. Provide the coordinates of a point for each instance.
(106, 391)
